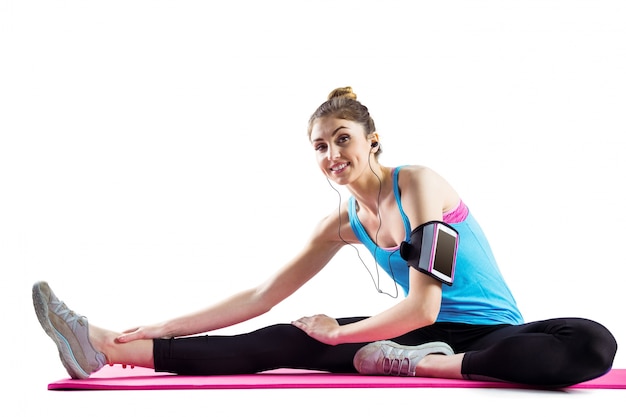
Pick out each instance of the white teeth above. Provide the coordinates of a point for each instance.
(339, 167)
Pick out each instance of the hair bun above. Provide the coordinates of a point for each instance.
(342, 92)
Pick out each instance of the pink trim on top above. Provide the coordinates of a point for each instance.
(456, 215)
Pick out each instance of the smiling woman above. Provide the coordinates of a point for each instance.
(471, 329)
(337, 142)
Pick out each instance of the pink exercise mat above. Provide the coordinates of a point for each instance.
(118, 378)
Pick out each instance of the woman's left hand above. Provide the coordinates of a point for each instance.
(320, 327)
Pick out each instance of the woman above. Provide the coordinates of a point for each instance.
(471, 329)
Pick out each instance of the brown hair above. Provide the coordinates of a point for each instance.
(342, 104)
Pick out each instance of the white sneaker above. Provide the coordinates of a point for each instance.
(69, 331)
(389, 358)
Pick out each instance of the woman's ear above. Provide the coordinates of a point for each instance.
(373, 138)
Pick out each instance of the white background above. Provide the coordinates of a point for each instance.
(154, 159)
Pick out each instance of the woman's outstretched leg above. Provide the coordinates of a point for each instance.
(83, 348)
(271, 347)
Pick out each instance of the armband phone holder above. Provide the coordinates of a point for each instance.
(432, 250)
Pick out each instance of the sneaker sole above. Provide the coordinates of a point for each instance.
(65, 352)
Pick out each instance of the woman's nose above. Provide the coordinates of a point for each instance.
(333, 152)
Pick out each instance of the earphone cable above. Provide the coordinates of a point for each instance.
(375, 281)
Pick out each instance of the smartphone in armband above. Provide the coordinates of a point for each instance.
(443, 257)
(432, 250)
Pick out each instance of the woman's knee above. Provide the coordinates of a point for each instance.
(597, 344)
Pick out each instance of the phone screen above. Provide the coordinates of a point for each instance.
(444, 253)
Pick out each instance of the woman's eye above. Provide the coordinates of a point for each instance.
(320, 148)
(342, 139)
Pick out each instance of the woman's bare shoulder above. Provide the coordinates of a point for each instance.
(418, 174)
(424, 182)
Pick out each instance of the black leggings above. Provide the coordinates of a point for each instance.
(551, 353)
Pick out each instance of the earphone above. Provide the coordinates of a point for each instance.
(374, 144)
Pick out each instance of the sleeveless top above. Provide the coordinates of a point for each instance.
(479, 294)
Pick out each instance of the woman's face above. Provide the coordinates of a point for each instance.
(341, 148)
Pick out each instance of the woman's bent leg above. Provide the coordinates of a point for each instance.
(555, 353)
(273, 347)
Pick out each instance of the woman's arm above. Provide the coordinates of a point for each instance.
(420, 308)
(425, 196)
(252, 302)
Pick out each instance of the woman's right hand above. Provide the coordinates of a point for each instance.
(142, 332)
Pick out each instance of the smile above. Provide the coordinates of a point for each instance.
(340, 167)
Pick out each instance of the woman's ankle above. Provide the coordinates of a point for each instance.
(103, 341)
(440, 366)
(135, 353)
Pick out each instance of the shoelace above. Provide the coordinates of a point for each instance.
(69, 316)
(397, 366)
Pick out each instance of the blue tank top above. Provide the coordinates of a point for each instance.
(479, 294)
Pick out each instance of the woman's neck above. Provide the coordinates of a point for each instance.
(372, 188)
